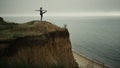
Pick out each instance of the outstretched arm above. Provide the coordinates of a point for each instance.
(37, 10)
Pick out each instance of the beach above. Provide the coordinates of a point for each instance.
(85, 62)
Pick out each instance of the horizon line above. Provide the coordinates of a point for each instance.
(80, 14)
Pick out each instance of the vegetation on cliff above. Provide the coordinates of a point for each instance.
(35, 44)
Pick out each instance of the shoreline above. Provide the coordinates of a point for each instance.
(85, 62)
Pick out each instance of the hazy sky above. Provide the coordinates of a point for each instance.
(27, 7)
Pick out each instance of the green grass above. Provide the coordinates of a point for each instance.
(32, 28)
(18, 30)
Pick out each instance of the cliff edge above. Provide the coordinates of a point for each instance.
(35, 44)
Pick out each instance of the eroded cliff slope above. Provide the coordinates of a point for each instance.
(36, 43)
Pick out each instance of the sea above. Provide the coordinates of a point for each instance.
(96, 37)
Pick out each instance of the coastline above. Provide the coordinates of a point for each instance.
(85, 62)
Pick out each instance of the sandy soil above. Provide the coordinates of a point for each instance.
(84, 62)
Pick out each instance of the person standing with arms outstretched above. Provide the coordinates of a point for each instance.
(41, 12)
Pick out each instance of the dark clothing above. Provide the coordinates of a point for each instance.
(42, 12)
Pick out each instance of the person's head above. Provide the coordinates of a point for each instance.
(40, 7)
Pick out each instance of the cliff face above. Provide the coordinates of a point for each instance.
(50, 48)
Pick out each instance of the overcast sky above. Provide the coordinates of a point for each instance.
(27, 7)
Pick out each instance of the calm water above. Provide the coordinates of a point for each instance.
(95, 37)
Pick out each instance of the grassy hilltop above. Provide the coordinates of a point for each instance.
(32, 28)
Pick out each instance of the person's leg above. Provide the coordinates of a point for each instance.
(41, 16)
